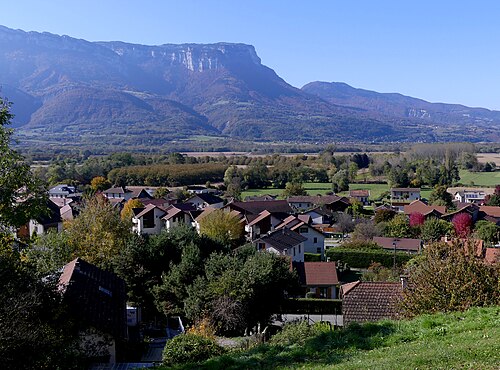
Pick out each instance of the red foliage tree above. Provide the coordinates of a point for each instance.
(463, 224)
(416, 219)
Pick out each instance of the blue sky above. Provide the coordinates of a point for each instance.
(441, 51)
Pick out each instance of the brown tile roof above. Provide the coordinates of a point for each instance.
(406, 189)
(490, 210)
(207, 198)
(117, 190)
(370, 301)
(317, 273)
(96, 297)
(359, 193)
(282, 239)
(265, 197)
(149, 208)
(256, 207)
(317, 199)
(263, 215)
(402, 244)
(305, 218)
(492, 255)
(417, 206)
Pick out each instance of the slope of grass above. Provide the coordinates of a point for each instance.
(465, 340)
(480, 178)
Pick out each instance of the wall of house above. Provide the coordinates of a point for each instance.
(296, 253)
(309, 245)
(139, 228)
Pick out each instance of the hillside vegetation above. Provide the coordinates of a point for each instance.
(466, 340)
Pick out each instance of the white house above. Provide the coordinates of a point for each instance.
(283, 242)
(203, 200)
(470, 196)
(315, 240)
(148, 220)
(50, 221)
(118, 193)
(181, 213)
(262, 224)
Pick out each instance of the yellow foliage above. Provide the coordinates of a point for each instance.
(203, 328)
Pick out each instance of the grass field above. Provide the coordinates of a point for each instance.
(460, 340)
(480, 178)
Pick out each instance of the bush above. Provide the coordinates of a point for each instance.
(297, 333)
(312, 257)
(189, 348)
(363, 258)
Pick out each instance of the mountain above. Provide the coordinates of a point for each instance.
(71, 90)
(398, 106)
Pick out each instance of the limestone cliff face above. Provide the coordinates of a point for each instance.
(194, 57)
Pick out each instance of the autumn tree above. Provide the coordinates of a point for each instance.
(293, 189)
(462, 223)
(416, 219)
(222, 226)
(450, 278)
(127, 211)
(99, 183)
(399, 227)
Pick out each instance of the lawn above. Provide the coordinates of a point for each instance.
(461, 340)
(480, 178)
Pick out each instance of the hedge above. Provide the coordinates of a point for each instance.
(312, 257)
(363, 258)
(311, 306)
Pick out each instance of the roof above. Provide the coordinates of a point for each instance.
(52, 216)
(149, 208)
(317, 273)
(256, 207)
(117, 190)
(417, 206)
(359, 193)
(263, 215)
(492, 255)
(493, 211)
(62, 189)
(370, 301)
(207, 198)
(406, 244)
(264, 197)
(138, 190)
(317, 199)
(174, 209)
(282, 239)
(66, 213)
(406, 189)
(95, 296)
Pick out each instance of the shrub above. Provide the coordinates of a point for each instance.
(189, 348)
(297, 333)
(363, 258)
(312, 257)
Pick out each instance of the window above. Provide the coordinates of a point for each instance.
(294, 251)
(299, 248)
(323, 292)
(315, 240)
(148, 221)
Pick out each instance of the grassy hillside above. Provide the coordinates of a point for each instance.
(480, 178)
(468, 340)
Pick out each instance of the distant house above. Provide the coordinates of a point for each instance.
(62, 191)
(490, 213)
(333, 203)
(261, 198)
(403, 196)
(418, 206)
(97, 298)
(279, 208)
(180, 213)
(119, 193)
(470, 196)
(283, 242)
(361, 196)
(407, 245)
(148, 220)
(52, 220)
(203, 200)
(319, 278)
(319, 216)
(141, 192)
(467, 208)
(261, 225)
(199, 189)
(315, 240)
(370, 301)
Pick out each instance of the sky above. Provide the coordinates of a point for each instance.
(440, 51)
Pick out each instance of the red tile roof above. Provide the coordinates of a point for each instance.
(492, 255)
(405, 244)
(317, 273)
(359, 193)
(490, 210)
(370, 301)
(417, 206)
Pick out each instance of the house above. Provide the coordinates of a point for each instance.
(370, 301)
(468, 208)
(490, 213)
(203, 200)
(279, 208)
(118, 193)
(62, 191)
(361, 196)
(148, 220)
(264, 197)
(180, 213)
(283, 242)
(402, 196)
(199, 189)
(141, 192)
(407, 245)
(319, 216)
(319, 278)
(470, 196)
(262, 224)
(333, 203)
(315, 240)
(52, 220)
(418, 206)
(97, 299)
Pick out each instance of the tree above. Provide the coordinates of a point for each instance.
(161, 192)
(384, 215)
(450, 278)
(293, 189)
(127, 211)
(256, 176)
(99, 183)
(416, 219)
(494, 200)
(344, 222)
(434, 229)
(462, 223)
(340, 181)
(487, 231)
(398, 176)
(222, 226)
(399, 227)
(98, 234)
(366, 230)
(440, 196)
(22, 195)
